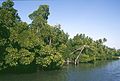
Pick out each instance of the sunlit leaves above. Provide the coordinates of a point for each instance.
(42, 11)
(42, 45)
(8, 4)
(12, 56)
(26, 57)
(48, 57)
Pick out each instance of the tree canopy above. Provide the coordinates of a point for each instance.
(39, 45)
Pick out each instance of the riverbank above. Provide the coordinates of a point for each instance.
(100, 71)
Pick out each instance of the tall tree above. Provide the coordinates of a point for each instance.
(8, 19)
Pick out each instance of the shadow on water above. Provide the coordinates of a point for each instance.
(99, 71)
(38, 76)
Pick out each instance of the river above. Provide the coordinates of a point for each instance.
(100, 71)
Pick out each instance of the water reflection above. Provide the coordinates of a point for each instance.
(99, 71)
(39, 76)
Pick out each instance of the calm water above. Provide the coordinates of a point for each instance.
(100, 71)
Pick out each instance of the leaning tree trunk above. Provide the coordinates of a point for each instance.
(78, 55)
(75, 51)
(79, 49)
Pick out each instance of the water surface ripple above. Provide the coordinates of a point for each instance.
(100, 71)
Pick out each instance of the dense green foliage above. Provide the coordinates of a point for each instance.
(40, 45)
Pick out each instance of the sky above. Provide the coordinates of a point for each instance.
(95, 18)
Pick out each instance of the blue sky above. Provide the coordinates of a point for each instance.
(95, 18)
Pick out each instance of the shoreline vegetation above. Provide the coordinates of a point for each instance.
(40, 46)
